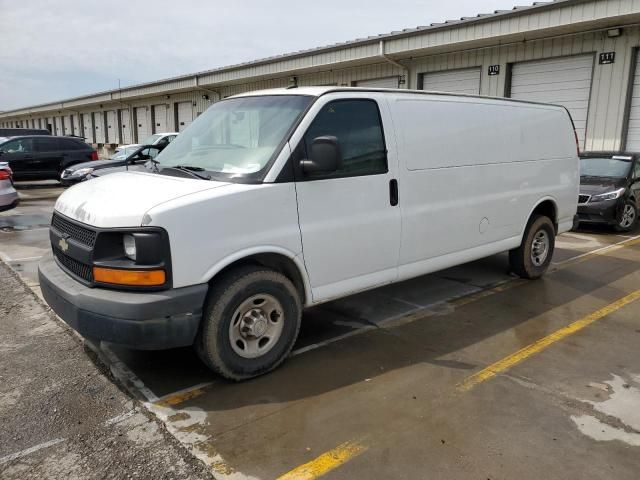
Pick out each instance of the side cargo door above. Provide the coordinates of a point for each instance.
(349, 218)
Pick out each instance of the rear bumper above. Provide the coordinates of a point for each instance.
(139, 320)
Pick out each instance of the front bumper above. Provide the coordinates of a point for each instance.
(599, 212)
(139, 320)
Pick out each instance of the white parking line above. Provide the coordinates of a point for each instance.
(120, 418)
(597, 250)
(26, 259)
(29, 451)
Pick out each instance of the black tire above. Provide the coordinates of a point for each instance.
(213, 343)
(521, 259)
(622, 222)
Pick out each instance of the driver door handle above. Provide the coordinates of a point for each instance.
(393, 192)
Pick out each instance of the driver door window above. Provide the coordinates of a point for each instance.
(358, 127)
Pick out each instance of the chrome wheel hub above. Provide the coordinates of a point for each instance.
(628, 216)
(539, 248)
(256, 326)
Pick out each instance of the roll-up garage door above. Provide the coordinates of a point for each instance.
(160, 119)
(58, 124)
(142, 124)
(564, 81)
(386, 82)
(462, 81)
(633, 124)
(76, 125)
(112, 127)
(98, 126)
(125, 125)
(185, 115)
(87, 125)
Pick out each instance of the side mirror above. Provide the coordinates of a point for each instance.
(325, 156)
(143, 156)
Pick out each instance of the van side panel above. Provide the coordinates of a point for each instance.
(472, 170)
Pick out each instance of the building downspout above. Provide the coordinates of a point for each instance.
(403, 68)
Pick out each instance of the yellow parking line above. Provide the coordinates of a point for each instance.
(177, 398)
(325, 462)
(517, 357)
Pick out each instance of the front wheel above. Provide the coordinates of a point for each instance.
(250, 324)
(627, 217)
(532, 258)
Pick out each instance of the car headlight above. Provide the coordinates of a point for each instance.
(607, 196)
(83, 172)
(129, 243)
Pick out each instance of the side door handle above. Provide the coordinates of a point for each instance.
(393, 192)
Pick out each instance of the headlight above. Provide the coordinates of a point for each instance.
(82, 172)
(607, 196)
(129, 243)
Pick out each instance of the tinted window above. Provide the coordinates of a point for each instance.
(357, 126)
(71, 144)
(637, 169)
(21, 145)
(47, 144)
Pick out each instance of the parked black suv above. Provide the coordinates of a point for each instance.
(15, 132)
(40, 157)
(609, 189)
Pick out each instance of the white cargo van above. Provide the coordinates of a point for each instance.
(277, 200)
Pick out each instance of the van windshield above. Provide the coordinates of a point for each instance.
(236, 138)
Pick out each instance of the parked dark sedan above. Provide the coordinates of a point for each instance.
(609, 190)
(118, 162)
(40, 157)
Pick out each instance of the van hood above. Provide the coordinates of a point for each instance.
(122, 199)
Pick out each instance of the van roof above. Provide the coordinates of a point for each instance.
(319, 91)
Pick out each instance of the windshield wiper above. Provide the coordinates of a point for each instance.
(190, 170)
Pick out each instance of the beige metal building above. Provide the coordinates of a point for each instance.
(579, 53)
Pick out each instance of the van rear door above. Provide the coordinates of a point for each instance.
(349, 220)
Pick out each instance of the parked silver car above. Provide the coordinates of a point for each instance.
(8, 194)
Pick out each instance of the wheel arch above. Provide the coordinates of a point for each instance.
(546, 206)
(274, 258)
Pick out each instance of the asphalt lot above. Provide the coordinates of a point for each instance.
(467, 373)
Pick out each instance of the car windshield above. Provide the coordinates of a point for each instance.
(151, 139)
(123, 153)
(236, 138)
(605, 167)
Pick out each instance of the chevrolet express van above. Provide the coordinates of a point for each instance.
(277, 200)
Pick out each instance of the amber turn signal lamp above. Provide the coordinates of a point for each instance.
(145, 278)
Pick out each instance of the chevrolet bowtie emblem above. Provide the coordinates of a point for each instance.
(64, 246)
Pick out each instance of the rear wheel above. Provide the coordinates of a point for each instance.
(250, 324)
(627, 217)
(532, 258)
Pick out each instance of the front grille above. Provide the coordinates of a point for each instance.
(73, 266)
(583, 198)
(76, 232)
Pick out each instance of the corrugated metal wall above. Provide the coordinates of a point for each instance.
(608, 91)
(607, 112)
